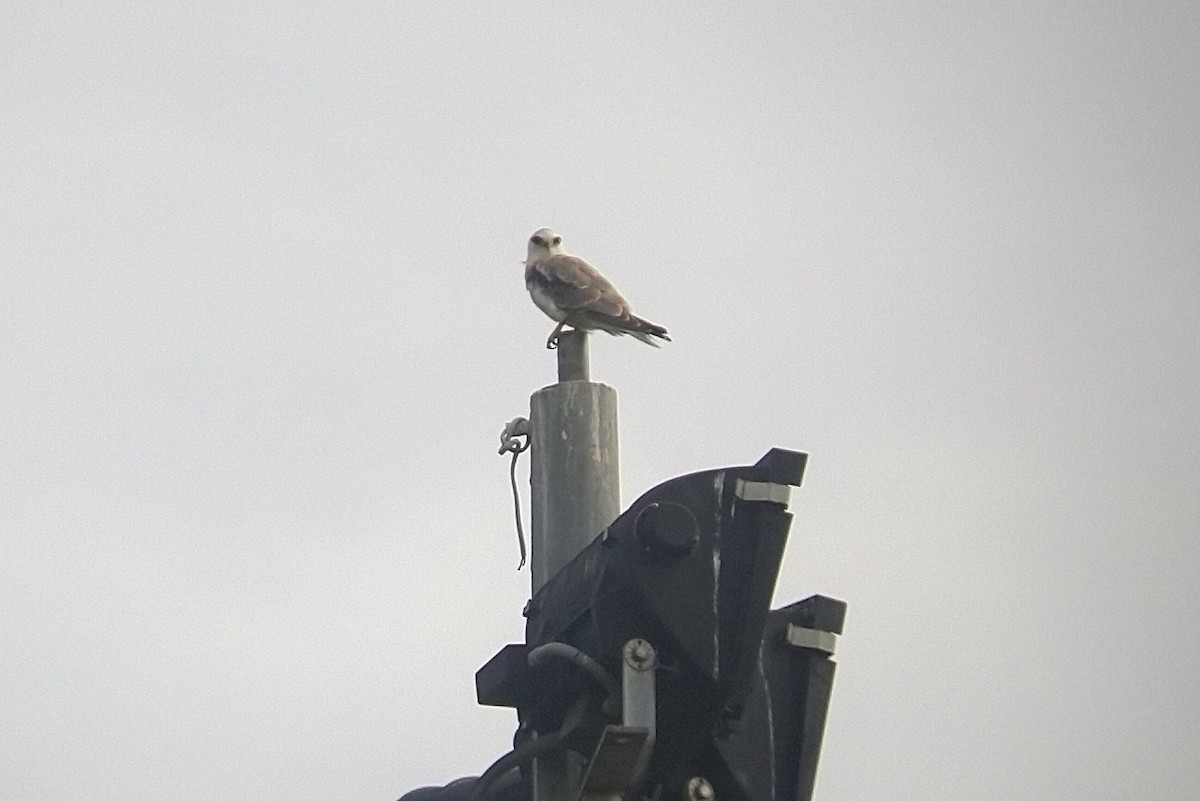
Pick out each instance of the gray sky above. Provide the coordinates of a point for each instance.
(262, 319)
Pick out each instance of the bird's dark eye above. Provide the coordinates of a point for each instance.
(557, 240)
(537, 240)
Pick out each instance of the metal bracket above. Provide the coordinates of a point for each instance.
(624, 751)
(815, 639)
(763, 491)
(639, 660)
(615, 764)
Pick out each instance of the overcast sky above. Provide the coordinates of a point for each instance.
(262, 319)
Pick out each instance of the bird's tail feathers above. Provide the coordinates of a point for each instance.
(646, 331)
(647, 338)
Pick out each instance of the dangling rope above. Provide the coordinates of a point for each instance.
(509, 443)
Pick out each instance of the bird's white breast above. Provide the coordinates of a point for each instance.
(546, 303)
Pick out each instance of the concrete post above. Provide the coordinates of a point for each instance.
(574, 474)
(574, 495)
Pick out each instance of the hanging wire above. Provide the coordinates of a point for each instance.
(510, 443)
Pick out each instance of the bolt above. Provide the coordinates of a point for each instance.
(639, 654)
(698, 789)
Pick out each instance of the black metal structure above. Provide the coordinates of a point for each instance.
(742, 692)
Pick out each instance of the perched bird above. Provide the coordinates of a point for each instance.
(573, 292)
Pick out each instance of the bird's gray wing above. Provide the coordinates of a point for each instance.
(577, 287)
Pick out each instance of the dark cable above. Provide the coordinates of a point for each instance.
(528, 751)
(522, 754)
(541, 655)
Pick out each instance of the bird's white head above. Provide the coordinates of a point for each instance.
(543, 243)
